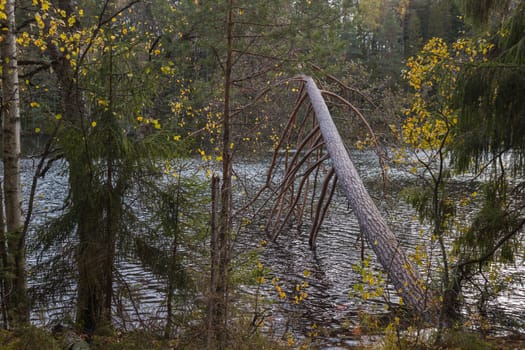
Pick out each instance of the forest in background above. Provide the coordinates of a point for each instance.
(127, 98)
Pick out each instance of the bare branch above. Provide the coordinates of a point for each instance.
(492, 251)
(320, 215)
(344, 86)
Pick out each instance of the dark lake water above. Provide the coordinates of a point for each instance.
(330, 274)
(331, 303)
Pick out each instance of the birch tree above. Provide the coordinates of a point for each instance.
(13, 237)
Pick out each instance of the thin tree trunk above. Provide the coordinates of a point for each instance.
(225, 221)
(403, 274)
(214, 268)
(17, 298)
(3, 262)
(175, 215)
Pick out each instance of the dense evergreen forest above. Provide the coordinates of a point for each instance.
(129, 128)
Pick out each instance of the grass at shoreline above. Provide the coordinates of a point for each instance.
(33, 338)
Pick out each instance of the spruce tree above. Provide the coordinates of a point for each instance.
(490, 95)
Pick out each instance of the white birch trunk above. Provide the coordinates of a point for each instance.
(11, 159)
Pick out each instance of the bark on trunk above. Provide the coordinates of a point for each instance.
(219, 319)
(16, 278)
(214, 268)
(403, 274)
(95, 257)
(3, 262)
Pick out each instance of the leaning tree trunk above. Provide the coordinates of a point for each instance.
(15, 276)
(402, 272)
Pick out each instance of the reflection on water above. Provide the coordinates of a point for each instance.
(331, 277)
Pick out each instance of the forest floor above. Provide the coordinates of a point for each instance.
(33, 338)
